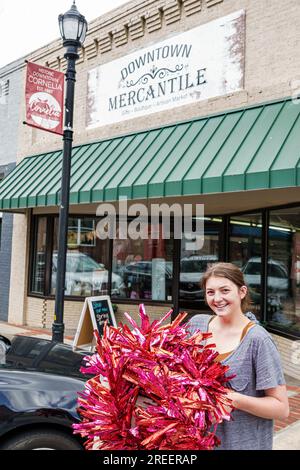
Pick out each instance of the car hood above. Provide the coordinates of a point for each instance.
(273, 282)
(92, 276)
(36, 382)
(28, 397)
(191, 277)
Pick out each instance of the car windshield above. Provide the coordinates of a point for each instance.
(79, 263)
(140, 267)
(27, 353)
(253, 269)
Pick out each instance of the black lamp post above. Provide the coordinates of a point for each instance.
(73, 28)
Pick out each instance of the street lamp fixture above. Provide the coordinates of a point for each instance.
(73, 28)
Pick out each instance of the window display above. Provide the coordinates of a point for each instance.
(145, 266)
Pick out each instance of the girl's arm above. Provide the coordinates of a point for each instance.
(274, 405)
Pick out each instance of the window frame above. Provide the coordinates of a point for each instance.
(33, 240)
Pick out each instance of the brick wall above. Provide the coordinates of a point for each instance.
(272, 64)
(5, 254)
(11, 83)
(19, 269)
(10, 99)
(154, 312)
(290, 355)
(40, 313)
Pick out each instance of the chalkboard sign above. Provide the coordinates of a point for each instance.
(103, 312)
(96, 311)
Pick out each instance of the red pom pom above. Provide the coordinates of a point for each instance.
(155, 387)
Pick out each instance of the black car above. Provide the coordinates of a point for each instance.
(39, 385)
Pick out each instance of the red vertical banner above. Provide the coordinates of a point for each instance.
(44, 95)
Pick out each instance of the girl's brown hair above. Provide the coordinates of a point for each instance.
(231, 272)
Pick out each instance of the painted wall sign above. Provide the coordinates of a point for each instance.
(44, 95)
(201, 63)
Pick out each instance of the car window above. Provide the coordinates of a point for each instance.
(253, 269)
(277, 271)
(29, 348)
(87, 264)
(62, 355)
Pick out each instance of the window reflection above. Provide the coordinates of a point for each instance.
(87, 260)
(284, 269)
(193, 263)
(145, 266)
(245, 251)
(39, 258)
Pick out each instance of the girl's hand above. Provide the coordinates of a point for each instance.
(233, 396)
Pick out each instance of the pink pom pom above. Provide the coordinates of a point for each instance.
(155, 387)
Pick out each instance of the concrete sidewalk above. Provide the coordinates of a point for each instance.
(286, 432)
(9, 330)
(288, 438)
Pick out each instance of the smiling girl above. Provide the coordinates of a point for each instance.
(258, 390)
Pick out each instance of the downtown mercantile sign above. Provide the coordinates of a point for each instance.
(202, 63)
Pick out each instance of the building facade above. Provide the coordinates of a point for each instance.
(10, 101)
(177, 102)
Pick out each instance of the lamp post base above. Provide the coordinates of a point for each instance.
(58, 332)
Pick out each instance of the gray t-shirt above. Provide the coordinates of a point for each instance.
(256, 363)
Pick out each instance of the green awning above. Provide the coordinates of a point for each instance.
(245, 149)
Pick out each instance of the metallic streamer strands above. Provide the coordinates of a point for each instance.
(155, 387)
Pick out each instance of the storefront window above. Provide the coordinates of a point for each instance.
(144, 266)
(39, 256)
(193, 263)
(245, 250)
(87, 259)
(283, 280)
